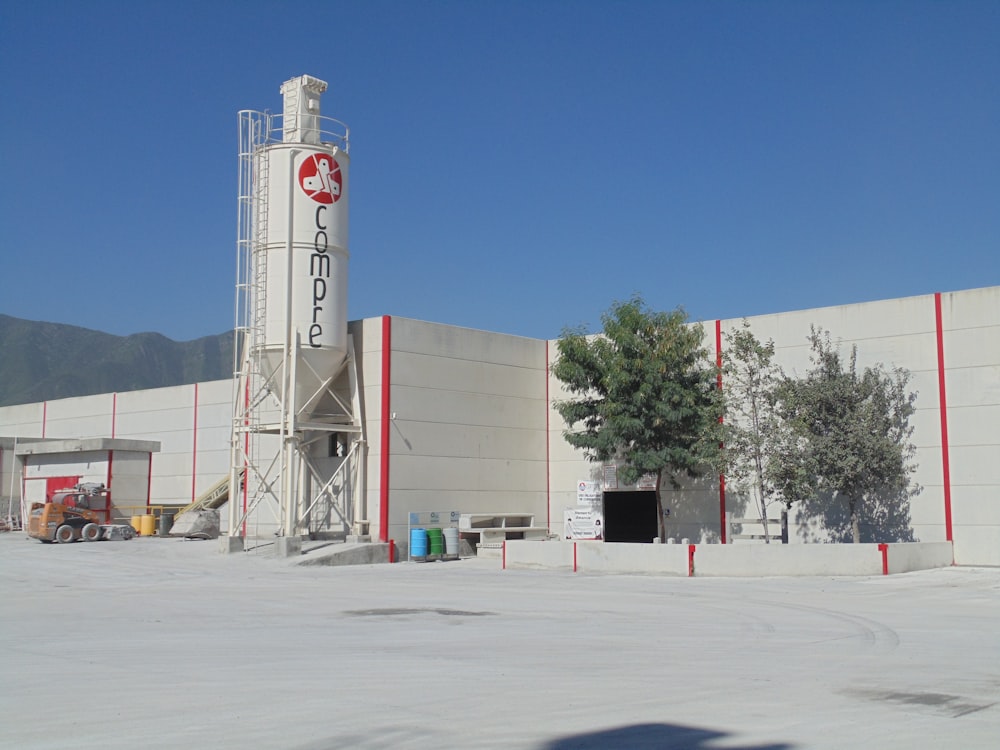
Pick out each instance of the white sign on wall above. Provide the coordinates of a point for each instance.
(588, 493)
(646, 482)
(583, 523)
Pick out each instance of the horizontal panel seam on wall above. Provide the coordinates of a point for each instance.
(473, 393)
(862, 364)
(470, 424)
(131, 413)
(847, 341)
(498, 363)
(914, 299)
(971, 327)
(460, 457)
(972, 407)
(958, 368)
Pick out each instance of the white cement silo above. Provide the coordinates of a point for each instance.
(304, 181)
(297, 384)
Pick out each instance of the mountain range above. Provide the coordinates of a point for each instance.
(45, 361)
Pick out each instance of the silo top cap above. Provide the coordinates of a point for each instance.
(304, 82)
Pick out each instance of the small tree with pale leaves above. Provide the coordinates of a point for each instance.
(753, 428)
(850, 431)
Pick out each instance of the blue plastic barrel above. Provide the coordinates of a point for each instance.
(418, 543)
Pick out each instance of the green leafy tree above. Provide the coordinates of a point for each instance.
(850, 432)
(753, 428)
(644, 395)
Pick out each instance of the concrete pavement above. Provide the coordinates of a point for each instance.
(165, 643)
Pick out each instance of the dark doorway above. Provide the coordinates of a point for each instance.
(630, 516)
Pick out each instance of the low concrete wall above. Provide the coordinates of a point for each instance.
(660, 559)
(547, 555)
(728, 560)
(902, 558)
(756, 560)
(598, 557)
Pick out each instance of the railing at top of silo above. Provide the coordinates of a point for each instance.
(270, 128)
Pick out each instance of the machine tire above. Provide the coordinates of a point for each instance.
(64, 534)
(91, 533)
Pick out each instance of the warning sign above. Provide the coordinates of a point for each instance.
(320, 178)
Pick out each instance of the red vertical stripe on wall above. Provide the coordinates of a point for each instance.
(194, 445)
(107, 511)
(383, 499)
(722, 477)
(548, 457)
(943, 406)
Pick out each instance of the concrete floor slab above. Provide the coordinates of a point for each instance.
(166, 643)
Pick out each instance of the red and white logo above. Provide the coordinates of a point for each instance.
(319, 178)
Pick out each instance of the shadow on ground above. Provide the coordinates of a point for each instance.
(631, 737)
(652, 737)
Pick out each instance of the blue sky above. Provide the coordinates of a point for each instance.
(515, 166)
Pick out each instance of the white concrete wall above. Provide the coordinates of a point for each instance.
(971, 322)
(471, 411)
(167, 415)
(469, 427)
(900, 332)
(22, 420)
(129, 480)
(368, 350)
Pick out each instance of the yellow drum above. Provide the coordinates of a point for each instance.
(147, 525)
(137, 524)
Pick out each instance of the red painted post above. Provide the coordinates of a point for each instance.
(392, 550)
(884, 549)
(691, 560)
(574, 557)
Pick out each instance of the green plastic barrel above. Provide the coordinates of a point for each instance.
(435, 540)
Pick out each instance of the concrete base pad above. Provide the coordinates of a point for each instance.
(348, 554)
(288, 546)
(230, 544)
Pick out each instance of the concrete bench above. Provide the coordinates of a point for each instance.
(494, 528)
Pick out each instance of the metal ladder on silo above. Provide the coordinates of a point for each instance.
(255, 133)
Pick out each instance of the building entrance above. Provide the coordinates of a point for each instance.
(630, 516)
